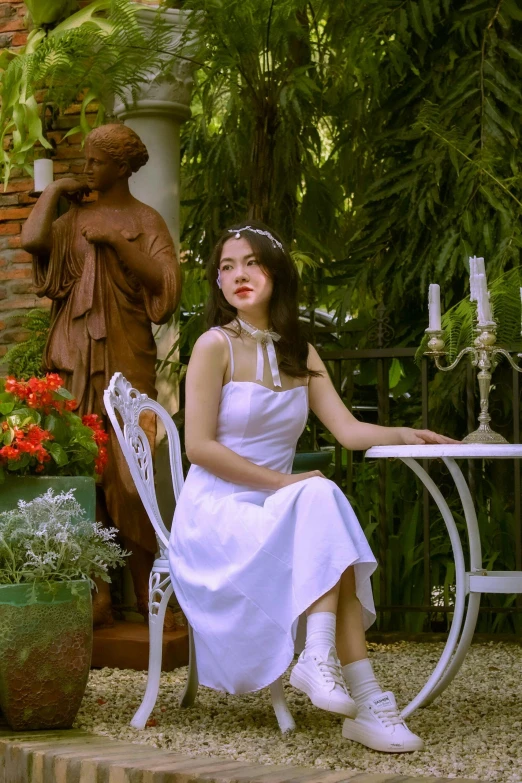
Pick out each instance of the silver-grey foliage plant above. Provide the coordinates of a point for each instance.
(49, 540)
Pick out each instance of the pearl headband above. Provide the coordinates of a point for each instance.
(237, 234)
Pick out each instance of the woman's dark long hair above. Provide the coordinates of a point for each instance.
(292, 348)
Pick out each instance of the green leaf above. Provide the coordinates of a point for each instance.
(428, 14)
(86, 16)
(395, 373)
(89, 98)
(64, 393)
(21, 417)
(504, 123)
(73, 131)
(58, 454)
(19, 464)
(6, 407)
(7, 437)
(511, 51)
(44, 12)
(416, 20)
(57, 427)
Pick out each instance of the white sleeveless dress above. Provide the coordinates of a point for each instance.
(246, 563)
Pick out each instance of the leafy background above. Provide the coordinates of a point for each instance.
(381, 138)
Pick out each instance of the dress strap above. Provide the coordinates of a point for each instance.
(231, 350)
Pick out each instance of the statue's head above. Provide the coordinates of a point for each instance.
(112, 152)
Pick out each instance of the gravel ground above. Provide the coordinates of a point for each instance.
(473, 730)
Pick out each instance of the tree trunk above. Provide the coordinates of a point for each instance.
(262, 171)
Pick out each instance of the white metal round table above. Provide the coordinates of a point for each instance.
(472, 582)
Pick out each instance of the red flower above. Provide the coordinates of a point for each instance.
(25, 446)
(92, 420)
(54, 381)
(41, 454)
(36, 434)
(32, 400)
(18, 388)
(10, 452)
(30, 440)
(40, 392)
(95, 423)
(100, 462)
(37, 385)
(100, 437)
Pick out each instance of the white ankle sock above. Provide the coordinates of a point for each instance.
(361, 681)
(320, 632)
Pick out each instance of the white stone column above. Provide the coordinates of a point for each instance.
(156, 115)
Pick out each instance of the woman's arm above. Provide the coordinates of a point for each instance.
(206, 372)
(351, 433)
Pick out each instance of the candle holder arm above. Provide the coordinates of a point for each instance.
(505, 353)
(451, 366)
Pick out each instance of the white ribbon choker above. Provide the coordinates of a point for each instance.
(263, 337)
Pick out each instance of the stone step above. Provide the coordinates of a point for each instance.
(80, 757)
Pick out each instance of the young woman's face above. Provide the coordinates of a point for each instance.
(243, 282)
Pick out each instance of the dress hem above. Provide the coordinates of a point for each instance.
(297, 616)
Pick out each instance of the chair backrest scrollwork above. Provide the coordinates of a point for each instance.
(120, 397)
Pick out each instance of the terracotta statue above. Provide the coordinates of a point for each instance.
(110, 268)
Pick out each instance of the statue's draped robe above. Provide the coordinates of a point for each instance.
(101, 324)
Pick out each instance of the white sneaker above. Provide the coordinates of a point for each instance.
(379, 726)
(322, 680)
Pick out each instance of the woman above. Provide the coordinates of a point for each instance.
(253, 547)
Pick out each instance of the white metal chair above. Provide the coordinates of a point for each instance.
(121, 398)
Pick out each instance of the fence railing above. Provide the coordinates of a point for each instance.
(389, 501)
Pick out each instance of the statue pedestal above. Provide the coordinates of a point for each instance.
(126, 646)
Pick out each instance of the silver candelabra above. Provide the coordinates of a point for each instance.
(485, 355)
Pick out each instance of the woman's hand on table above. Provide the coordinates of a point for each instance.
(411, 437)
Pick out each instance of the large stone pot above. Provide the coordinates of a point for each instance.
(27, 488)
(45, 653)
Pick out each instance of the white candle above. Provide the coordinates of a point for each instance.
(434, 307)
(472, 279)
(487, 309)
(483, 304)
(43, 174)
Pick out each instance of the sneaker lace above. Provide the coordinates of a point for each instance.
(331, 671)
(388, 715)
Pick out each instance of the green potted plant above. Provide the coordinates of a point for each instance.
(49, 555)
(43, 443)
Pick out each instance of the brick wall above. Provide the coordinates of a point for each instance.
(16, 289)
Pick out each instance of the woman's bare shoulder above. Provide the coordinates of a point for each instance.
(211, 337)
(209, 343)
(314, 361)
